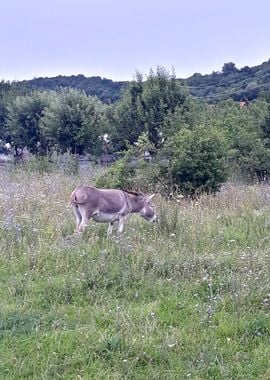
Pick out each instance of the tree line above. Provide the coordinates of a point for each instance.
(230, 82)
(193, 145)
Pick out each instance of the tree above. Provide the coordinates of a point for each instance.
(229, 68)
(144, 106)
(246, 70)
(128, 115)
(73, 121)
(162, 95)
(24, 114)
(247, 135)
(8, 92)
(265, 125)
(4, 96)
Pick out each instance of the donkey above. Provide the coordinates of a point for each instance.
(109, 206)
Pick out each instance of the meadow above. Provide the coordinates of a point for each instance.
(187, 298)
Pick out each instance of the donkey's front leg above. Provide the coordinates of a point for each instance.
(121, 224)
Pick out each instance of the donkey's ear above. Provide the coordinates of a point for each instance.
(151, 196)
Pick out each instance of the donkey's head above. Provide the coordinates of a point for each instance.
(147, 212)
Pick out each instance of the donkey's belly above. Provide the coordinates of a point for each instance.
(103, 217)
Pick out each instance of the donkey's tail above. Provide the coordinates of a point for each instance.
(78, 199)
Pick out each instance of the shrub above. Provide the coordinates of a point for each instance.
(118, 175)
(130, 172)
(196, 161)
(192, 162)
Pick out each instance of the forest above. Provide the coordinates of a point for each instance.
(194, 146)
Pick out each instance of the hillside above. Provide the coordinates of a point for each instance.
(105, 89)
(231, 82)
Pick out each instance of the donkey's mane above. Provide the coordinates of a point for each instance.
(133, 192)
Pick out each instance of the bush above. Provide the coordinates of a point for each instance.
(196, 161)
(117, 176)
(130, 172)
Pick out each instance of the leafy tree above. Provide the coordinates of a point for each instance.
(128, 115)
(246, 70)
(4, 97)
(162, 95)
(246, 133)
(265, 124)
(229, 68)
(73, 121)
(24, 114)
(8, 92)
(252, 155)
(144, 106)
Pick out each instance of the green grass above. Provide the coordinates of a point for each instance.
(188, 298)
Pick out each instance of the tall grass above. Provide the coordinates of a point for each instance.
(186, 298)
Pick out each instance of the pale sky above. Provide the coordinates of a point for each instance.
(114, 38)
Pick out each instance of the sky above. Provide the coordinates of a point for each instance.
(115, 38)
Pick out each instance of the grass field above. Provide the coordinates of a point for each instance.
(188, 298)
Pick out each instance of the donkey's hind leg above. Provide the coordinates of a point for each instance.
(86, 214)
(78, 217)
(110, 229)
